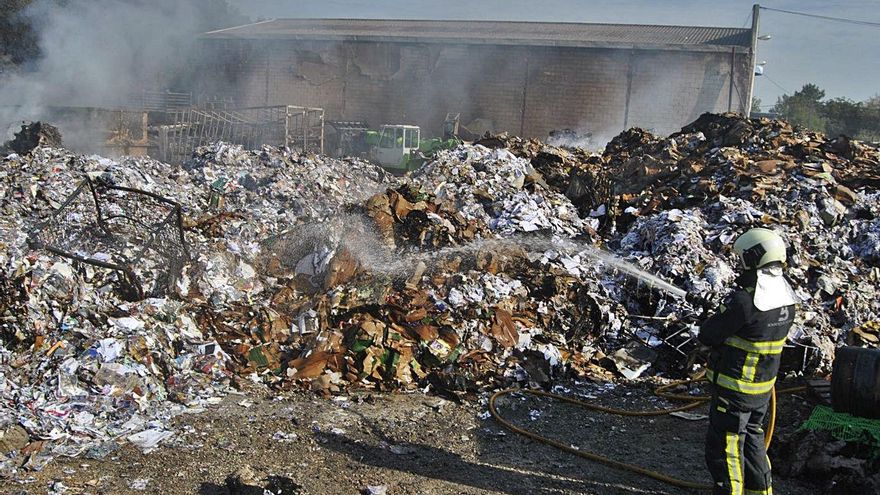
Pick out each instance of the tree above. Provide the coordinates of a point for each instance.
(871, 120)
(809, 108)
(804, 107)
(843, 116)
(756, 104)
(158, 37)
(810, 92)
(18, 41)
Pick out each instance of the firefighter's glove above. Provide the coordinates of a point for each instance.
(699, 304)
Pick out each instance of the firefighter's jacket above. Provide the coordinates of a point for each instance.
(746, 345)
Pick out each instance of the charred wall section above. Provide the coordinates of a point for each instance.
(522, 89)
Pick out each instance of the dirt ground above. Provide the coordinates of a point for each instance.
(408, 443)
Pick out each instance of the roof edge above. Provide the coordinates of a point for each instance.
(318, 19)
(499, 42)
(241, 33)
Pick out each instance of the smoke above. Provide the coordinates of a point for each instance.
(97, 53)
(100, 53)
(581, 138)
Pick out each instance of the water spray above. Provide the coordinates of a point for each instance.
(632, 270)
(372, 253)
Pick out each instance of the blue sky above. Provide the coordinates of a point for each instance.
(843, 59)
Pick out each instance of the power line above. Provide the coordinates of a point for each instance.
(824, 17)
(747, 21)
(785, 91)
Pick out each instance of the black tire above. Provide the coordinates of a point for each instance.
(842, 377)
(855, 382)
(864, 381)
(877, 390)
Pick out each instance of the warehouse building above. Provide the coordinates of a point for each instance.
(524, 77)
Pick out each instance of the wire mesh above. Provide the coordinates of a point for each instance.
(845, 427)
(136, 233)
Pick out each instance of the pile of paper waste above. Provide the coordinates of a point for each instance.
(500, 262)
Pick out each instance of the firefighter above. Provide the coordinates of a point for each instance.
(746, 335)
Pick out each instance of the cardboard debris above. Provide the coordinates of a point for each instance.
(485, 268)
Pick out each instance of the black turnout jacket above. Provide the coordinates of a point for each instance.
(746, 345)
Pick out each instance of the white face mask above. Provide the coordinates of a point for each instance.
(772, 291)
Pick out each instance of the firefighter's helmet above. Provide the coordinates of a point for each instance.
(759, 247)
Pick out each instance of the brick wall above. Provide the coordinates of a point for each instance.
(524, 90)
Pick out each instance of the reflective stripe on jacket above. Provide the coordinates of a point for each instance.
(746, 344)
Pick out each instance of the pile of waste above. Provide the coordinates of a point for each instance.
(680, 201)
(504, 191)
(725, 174)
(82, 363)
(310, 187)
(836, 465)
(502, 262)
(33, 135)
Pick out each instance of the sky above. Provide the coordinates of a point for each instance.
(841, 58)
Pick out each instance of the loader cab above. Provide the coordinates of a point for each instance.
(396, 144)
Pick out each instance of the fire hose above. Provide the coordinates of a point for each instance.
(693, 402)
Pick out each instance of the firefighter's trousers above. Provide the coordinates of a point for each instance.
(735, 452)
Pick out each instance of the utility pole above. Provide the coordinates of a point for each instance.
(753, 51)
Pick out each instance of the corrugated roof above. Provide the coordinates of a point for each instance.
(495, 32)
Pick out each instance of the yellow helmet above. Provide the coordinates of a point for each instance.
(759, 247)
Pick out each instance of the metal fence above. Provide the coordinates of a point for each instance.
(291, 126)
(161, 100)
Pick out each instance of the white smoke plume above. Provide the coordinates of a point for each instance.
(99, 52)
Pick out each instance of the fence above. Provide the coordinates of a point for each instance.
(291, 126)
(160, 100)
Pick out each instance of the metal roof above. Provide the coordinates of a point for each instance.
(696, 38)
